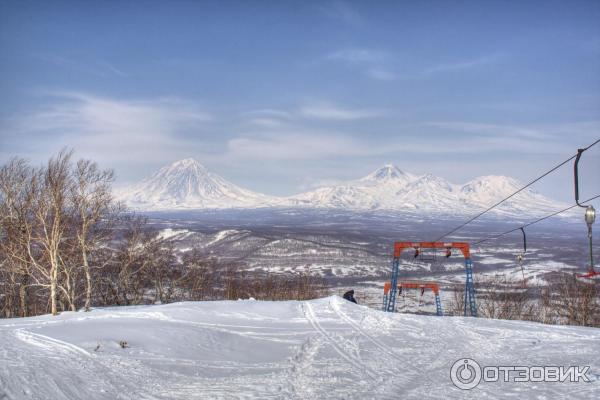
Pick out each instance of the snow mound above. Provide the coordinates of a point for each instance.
(322, 349)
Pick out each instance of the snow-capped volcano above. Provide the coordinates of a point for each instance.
(393, 189)
(389, 173)
(188, 184)
(373, 191)
(387, 188)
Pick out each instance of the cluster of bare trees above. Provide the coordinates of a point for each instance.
(571, 301)
(52, 221)
(65, 244)
(565, 300)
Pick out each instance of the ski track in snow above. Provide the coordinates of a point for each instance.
(353, 360)
(54, 369)
(319, 349)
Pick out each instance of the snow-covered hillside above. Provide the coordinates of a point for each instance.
(188, 185)
(320, 349)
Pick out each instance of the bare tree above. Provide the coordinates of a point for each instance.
(576, 302)
(18, 188)
(502, 298)
(198, 276)
(161, 271)
(51, 215)
(91, 196)
(544, 311)
(129, 273)
(457, 301)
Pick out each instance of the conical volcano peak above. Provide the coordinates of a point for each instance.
(187, 163)
(387, 172)
(188, 184)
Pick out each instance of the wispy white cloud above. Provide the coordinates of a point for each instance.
(381, 74)
(334, 112)
(492, 129)
(315, 110)
(269, 112)
(293, 146)
(298, 142)
(304, 143)
(110, 67)
(463, 64)
(110, 129)
(359, 56)
(268, 118)
(538, 132)
(518, 139)
(100, 68)
(266, 122)
(383, 65)
(373, 63)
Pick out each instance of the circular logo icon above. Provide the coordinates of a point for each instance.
(465, 373)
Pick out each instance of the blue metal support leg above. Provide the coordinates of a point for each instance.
(470, 290)
(438, 306)
(391, 300)
(385, 301)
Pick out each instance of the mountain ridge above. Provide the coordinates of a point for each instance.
(187, 184)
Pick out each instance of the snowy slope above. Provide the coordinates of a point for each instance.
(321, 349)
(188, 184)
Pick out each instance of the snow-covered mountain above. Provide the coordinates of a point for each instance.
(392, 189)
(186, 184)
(485, 191)
(374, 191)
(385, 188)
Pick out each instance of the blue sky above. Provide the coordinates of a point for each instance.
(281, 97)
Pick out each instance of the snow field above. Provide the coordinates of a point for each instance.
(320, 349)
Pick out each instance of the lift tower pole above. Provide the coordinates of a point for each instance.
(470, 304)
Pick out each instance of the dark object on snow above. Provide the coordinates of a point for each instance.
(349, 295)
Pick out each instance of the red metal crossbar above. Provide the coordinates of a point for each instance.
(462, 246)
(413, 285)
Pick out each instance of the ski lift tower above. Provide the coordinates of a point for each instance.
(470, 305)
